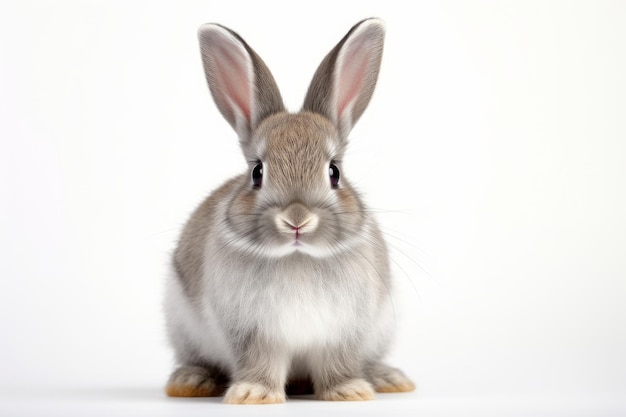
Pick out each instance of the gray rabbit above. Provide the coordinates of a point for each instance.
(281, 277)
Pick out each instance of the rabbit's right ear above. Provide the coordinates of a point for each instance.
(344, 82)
(242, 86)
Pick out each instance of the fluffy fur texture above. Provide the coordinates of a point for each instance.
(286, 283)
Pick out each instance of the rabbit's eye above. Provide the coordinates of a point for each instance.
(257, 175)
(333, 172)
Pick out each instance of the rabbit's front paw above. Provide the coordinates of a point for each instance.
(353, 390)
(253, 393)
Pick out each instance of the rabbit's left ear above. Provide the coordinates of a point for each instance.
(241, 84)
(344, 82)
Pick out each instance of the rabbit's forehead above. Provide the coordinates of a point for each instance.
(298, 139)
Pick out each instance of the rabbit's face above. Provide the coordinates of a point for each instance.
(296, 199)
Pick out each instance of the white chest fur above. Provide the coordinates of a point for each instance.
(297, 301)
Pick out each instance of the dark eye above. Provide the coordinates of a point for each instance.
(257, 175)
(333, 172)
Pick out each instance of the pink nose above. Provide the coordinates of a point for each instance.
(296, 218)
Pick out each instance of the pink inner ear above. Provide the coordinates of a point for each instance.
(231, 70)
(354, 66)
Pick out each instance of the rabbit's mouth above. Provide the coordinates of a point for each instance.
(297, 224)
(298, 243)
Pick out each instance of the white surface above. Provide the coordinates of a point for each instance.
(494, 152)
(149, 402)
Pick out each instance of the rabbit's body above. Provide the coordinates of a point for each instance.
(281, 275)
(302, 304)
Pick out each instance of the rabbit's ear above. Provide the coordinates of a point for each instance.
(242, 86)
(344, 82)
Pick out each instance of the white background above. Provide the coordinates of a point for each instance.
(493, 153)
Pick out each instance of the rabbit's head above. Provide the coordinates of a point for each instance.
(294, 197)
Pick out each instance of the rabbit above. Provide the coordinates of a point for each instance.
(280, 280)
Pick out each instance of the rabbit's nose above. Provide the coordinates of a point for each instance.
(296, 218)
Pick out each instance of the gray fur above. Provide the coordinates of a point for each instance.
(255, 304)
